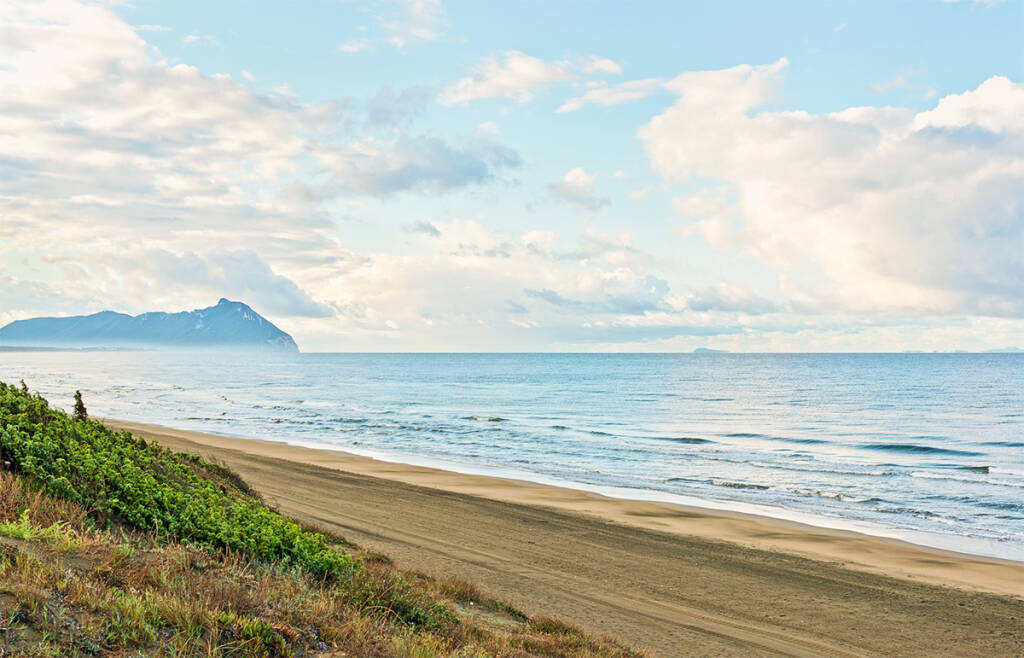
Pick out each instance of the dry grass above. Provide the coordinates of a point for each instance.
(16, 497)
(81, 591)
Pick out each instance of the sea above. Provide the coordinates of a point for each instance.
(928, 448)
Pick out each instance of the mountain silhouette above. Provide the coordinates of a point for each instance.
(227, 325)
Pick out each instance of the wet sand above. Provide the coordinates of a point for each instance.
(679, 580)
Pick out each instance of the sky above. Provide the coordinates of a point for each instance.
(432, 175)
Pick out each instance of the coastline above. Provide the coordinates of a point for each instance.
(680, 581)
(845, 547)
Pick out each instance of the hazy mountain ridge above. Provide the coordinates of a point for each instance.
(227, 325)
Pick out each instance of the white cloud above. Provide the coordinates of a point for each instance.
(465, 277)
(511, 74)
(20, 299)
(400, 23)
(248, 76)
(577, 188)
(195, 38)
(355, 45)
(201, 278)
(994, 106)
(902, 81)
(624, 92)
(726, 297)
(160, 280)
(598, 64)
(542, 241)
(706, 203)
(110, 150)
(152, 28)
(516, 75)
(132, 183)
(898, 81)
(414, 20)
(866, 209)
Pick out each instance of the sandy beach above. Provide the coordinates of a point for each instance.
(678, 580)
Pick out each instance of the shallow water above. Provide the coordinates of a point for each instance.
(929, 447)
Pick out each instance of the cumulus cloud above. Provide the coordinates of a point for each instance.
(399, 24)
(866, 209)
(704, 204)
(196, 38)
(624, 92)
(106, 149)
(577, 188)
(516, 75)
(468, 277)
(205, 277)
(100, 120)
(995, 106)
(598, 64)
(355, 45)
(160, 280)
(143, 185)
(130, 182)
(413, 20)
(512, 74)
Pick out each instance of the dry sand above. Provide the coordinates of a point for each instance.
(679, 580)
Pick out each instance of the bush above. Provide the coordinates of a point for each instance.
(123, 479)
(80, 411)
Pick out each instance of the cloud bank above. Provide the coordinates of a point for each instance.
(128, 181)
(866, 209)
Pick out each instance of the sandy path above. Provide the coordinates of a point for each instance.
(677, 593)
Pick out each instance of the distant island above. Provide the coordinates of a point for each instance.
(228, 325)
(708, 350)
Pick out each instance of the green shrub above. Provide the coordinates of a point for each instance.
(126, 480)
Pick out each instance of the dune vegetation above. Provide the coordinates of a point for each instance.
(111, 545)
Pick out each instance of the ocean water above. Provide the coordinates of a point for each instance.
(925, 447)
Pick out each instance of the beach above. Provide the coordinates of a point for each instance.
(678, 580)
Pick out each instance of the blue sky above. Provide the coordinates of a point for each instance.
(428, 175)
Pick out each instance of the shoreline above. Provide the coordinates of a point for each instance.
(946, 544)
(848, 548)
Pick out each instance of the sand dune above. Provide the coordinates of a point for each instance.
(680, 580)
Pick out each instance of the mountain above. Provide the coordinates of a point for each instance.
(230, 325)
